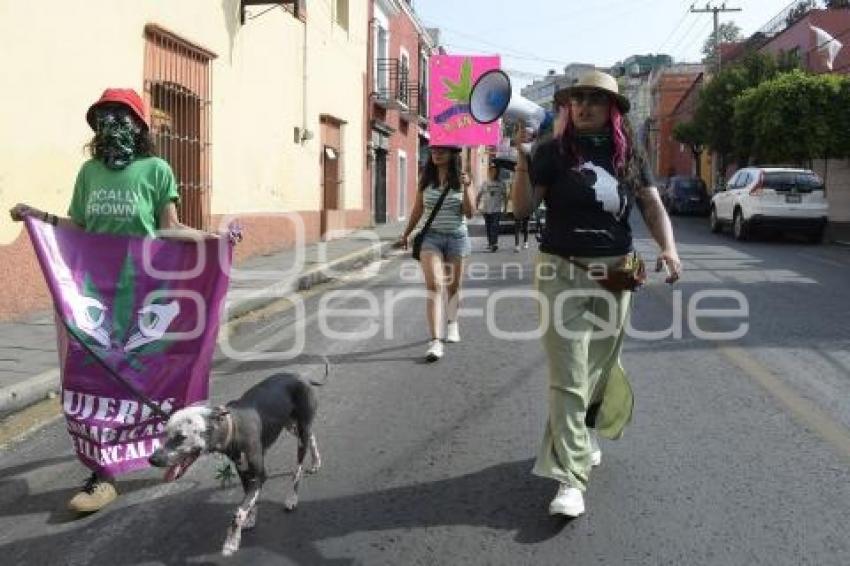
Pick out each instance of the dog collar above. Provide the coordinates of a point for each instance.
(230, 424)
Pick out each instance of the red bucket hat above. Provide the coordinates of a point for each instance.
(126, 96)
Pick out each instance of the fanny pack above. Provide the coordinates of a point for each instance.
(629, 276)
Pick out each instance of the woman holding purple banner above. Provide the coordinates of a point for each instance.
(590, 176)
(123, 189)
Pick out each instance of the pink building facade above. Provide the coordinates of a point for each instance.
(800, 39)
(399, 49)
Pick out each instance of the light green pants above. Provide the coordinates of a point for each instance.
(585, 327)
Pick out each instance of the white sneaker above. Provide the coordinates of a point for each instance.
(595, 451)
(525, 245)
(516, 249)
(453, 332)
(569, 502)
(435, 350)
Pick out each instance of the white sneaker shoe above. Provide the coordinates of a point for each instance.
(569, 502)
(435, 350)
(525, 245)
(453, 332)
(595, 451)
(516, 249)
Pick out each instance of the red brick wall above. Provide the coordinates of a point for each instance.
(670, 90)
(403, 35)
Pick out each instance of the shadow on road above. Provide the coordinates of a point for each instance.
(189, 527)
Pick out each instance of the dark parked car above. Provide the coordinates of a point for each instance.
(686, 195)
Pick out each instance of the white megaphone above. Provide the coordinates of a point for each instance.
(493, 97)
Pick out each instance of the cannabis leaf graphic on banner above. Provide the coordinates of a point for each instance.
(104, 335)
(460, 91)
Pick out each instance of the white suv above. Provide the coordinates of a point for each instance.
(790, 200)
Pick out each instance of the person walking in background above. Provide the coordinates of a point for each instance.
(124, 169)
(446, 243)
(491, 201)
(590, 175)
(520, 227)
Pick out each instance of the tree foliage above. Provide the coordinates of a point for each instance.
(689, 133)
(716, 106)
(834, 4)
(794, 117)
(692, 135)
(727, 31)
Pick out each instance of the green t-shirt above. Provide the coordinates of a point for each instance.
(126, 201)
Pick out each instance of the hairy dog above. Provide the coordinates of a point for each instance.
(243, 430)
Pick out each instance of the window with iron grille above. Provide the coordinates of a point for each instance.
(177, 87)
(403, 88)
(422, 102)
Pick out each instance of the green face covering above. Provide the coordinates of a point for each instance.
(596, 140)
(115, 136)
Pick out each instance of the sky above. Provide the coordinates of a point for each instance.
(533, 36)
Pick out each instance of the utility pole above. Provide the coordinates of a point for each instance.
(716, 10)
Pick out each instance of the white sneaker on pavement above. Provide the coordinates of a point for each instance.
(435, 350)
(595, 451)
(453, 332)
(569, 501)
(516, 249)
(525, 245)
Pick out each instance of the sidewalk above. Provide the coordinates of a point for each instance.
(28, 358)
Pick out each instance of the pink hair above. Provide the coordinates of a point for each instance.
(565, 130)
(618, 133)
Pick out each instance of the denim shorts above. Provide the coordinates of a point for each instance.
(448, 245)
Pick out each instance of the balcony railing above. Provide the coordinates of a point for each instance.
(394, 89)
(422, 101)
(387, 80)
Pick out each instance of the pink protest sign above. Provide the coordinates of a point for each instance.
(450, 123)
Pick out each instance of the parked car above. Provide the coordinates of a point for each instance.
(777, 198)
(686, 195)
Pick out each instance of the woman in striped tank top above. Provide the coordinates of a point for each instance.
(446, 244)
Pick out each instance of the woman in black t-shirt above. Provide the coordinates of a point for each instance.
(590, 175)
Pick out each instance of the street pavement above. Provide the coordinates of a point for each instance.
(738, 452)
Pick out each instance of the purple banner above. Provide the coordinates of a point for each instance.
(150, 309)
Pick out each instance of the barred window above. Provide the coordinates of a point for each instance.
(177, 87)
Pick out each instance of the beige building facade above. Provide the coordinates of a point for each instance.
(259, 107)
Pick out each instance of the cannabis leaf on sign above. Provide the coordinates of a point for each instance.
(461, 90)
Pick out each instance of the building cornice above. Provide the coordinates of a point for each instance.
(390, 7)
(420, 29)
(393, 8)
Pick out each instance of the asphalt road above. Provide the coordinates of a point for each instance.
(738, 452)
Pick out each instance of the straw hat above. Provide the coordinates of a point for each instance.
(596, 80)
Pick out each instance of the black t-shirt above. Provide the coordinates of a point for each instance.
(587, 205)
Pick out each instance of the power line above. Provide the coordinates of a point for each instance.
(506, 55)
(675, 29)
(478, 39)
(697, 37)
(685, 36)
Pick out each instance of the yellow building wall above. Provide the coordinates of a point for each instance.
(337, 63)
(60, 54)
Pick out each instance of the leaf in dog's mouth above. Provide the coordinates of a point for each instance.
(177, 470)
